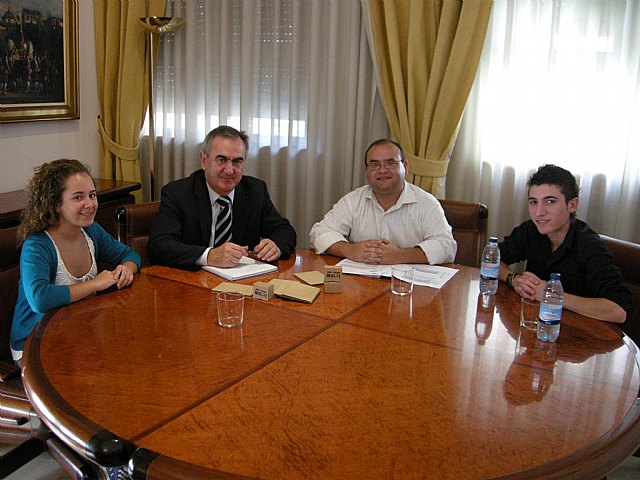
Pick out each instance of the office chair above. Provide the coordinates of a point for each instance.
(469, 225)
(626, 255)
(133, 223)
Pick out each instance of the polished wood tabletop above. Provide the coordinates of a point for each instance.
(360, 384)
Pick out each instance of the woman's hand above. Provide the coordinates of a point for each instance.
(123, 274)
(102, 281)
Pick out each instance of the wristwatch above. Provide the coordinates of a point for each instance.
(510, 278)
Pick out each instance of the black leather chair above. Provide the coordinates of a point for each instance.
(133, 223)
(469, 225)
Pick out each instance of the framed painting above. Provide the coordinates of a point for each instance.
(38, 60)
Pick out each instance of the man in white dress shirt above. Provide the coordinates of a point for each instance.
(389, 220)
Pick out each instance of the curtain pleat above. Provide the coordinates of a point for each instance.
(427, 52)
(296, 75)
(122, 69)
(558, 82)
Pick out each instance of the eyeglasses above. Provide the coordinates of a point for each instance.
(388, 164)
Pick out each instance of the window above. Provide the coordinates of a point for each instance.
(559, 83)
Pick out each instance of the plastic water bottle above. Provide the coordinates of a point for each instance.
(490, 267)
(551, 310)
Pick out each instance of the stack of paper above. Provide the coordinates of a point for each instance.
(247, 267)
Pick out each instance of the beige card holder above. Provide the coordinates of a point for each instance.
(312, 278)
(228, 287)
(293, 290)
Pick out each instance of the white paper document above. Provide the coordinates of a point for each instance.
(426, 275)
(247, 267)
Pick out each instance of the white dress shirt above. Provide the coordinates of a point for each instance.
(416, 220)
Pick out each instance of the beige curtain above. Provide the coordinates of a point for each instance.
(123, 73)
(427, 53)
(298, 77)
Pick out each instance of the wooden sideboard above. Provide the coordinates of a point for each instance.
(111, 194)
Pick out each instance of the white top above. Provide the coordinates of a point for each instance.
(63, 277)
(416, 220)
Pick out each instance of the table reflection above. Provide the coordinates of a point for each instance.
(484, 317)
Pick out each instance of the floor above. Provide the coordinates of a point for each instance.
(45, 468)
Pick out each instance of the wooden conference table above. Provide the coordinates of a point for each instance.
(362, 384)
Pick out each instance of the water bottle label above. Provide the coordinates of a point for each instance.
(490, 270)
(550, 314)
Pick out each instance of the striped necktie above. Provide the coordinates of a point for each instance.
(223, 222)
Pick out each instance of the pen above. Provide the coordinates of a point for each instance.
(252, 254)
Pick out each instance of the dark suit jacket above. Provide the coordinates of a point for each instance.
(181, 230)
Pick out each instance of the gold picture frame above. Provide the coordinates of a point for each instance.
(33, 50)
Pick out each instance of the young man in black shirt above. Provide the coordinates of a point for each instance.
(553, 240)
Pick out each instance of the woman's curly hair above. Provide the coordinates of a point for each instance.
(44, 194)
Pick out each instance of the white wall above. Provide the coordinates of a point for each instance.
(27, 144)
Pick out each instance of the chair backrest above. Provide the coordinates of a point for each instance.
(469, 225)
(9, 275)
(626, 255)
(133, 223)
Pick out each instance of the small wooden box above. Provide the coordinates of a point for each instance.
(332, 274)
(263, 291)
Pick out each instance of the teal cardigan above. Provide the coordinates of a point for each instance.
(37, 292)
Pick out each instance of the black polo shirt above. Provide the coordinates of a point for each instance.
(583, 261)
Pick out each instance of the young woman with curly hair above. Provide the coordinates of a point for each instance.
(61, 245)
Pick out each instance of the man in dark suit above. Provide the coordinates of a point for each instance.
(184, 233)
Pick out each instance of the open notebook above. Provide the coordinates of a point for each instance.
(247, 267)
